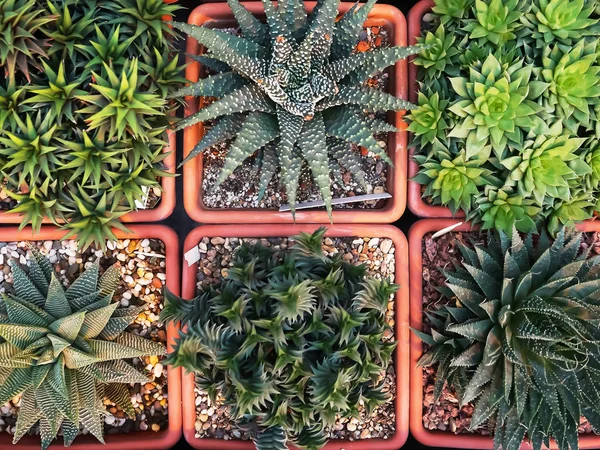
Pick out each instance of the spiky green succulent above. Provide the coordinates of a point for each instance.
(566, 212)
(439, 51)
(292, 82)
(573, 76)
(451, 181)
(20, 44)
(561, 21)
(290, 340)
(496, 104)
(450, 11)
(495, 21)
(518, 335)
(64, 350)
(427, 119)
(503, 209)
(11, 97)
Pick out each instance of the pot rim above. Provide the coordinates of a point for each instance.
(440, 438)
(150, 440)
(401, 327)
(383, 15)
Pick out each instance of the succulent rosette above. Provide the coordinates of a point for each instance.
(427, 120)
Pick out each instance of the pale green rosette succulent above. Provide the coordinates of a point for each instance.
(574, 83)
(427, 120)
(495, 21)
(563, 21)
(547, 165)
(503, 209)
(452, 11)
(438, 54)
(496, 104)
(451, 181)
(566, 213)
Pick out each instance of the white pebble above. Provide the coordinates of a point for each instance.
(158, 370)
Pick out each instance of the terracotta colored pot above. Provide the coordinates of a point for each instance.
(401, 354)
(415, 201)
(440, 438)
(148, 440)
(219, 15)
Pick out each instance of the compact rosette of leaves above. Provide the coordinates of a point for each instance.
(495, 21)
(291, 342)
(496, 105)
(427, 120)
(84, 109)
(439, 54)
(294, 88)
(518, 336)
(64, 350)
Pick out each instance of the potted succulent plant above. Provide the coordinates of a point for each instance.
(493, 121)
(81, 346)
(286, 113)
(498, 322)
(235, 249)
(84, 114)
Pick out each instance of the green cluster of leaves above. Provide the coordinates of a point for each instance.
(291, 341)
(84, 109)
(521, 104)
(293, 90)
(64, 350)
(518, 336)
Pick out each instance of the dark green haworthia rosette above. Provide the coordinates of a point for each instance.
(290, 341)
(290, 84)
(518, 336)
(64, 350)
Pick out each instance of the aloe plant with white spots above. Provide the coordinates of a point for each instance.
(64, 350)
(294, 88)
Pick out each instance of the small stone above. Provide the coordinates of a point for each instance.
(203, 417)
(155, 427)
(351, 426)
(374, 242)
(386, 245)
(153, 360)
(217, 240)
(211, 411)
(157, 283)
(158, 370)
(109, 420)
(365, 433)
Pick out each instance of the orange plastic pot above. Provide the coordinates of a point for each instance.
(162, 210)
(415, 200)
(401, 319)
(218, 15)
(440, 438)
(148, 440)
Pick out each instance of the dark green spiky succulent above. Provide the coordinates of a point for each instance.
(292, 82)
(291, 341)
(64, 351)
(562, 21)
(10, 105)
(518, 335)
(495, 21)
(19, 44)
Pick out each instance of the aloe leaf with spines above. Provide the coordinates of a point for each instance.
(560, 21)
(57, 353)
(292, 72)
(496, 104)
(523, 338)
(321, 319)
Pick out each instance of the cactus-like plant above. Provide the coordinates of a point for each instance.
(518, 336)
(291, 342)
(292, 82)
(64, 350)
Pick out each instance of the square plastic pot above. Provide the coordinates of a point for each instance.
(401, 328)
(416, 204)
(440, 438)
(218, 15)
(148, 440)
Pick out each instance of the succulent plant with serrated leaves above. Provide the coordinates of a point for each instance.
(495, 21)
(427, 120)
(20, 44)
(503, 209)
(451, 180)
(439, 53)
(561, 21)
(573, 77)
(292, 82)
(496, 104)
(518, 335)
(64, 350)
(291, 341)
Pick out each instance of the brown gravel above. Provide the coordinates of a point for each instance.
(143, 275)
(442, 253)
(212, 420)
(240, 189)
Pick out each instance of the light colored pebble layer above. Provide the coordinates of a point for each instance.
(212, 419)
(143, 276)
